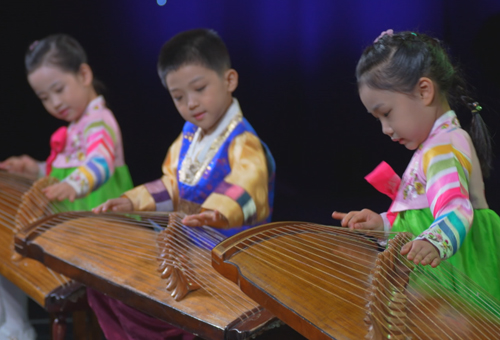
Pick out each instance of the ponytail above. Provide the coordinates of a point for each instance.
(480, 136)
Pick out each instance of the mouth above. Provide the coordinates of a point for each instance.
(398, 140)
(63, 113)
(200, 115)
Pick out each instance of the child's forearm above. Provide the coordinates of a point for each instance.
(90, 176)
(152, 196)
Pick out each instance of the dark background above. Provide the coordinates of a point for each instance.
(296, 63)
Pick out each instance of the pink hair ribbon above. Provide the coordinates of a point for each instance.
(389, 32)
(57, 144)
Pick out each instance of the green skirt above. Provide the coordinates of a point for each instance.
(114, 187)
(478, 257)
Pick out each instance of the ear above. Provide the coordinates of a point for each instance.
(426, 90)
(231, 78)
(85, 74)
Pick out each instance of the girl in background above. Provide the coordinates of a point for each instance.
(86, 156)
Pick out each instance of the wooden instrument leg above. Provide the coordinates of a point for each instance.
(59, 326)
(86, 326)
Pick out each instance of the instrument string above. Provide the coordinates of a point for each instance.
(309, 241)
(10, 200)
(203, 261)
(454, 277)
(13, 188)
(253, 252)
(400, 283)
(390, 272)
(438, 291)
(205, 282)
(245, 247)
(445, 296)
(466, 287)
(7, 222)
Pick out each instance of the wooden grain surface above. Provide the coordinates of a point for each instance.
(318, 283)
(36, 280)
(120, 260)
(298, 284)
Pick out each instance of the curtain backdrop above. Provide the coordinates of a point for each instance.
(296, 62)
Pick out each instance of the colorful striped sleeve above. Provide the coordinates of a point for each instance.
(447, 170)
(242, 197)
(98, 165)
(161, 194)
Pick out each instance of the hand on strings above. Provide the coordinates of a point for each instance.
(22, 165)
(421, 252)
(364, 219)
(211, 218)
(60, 191)
(122, 204)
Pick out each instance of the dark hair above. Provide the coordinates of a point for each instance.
(395, 62)
(198, 46)
(60, 50)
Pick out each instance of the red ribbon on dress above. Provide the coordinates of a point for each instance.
(384, 179)
(57, 144)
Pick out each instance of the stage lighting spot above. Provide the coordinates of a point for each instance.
(161, 2)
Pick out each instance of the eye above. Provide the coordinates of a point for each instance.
(59, 89)
(386, 114)
(199, 89)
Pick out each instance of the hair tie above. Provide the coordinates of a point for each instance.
(33, 45)
(389, 32)
(473, 106)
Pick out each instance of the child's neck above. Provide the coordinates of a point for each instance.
(441, 108)
(91, 96)
(221, 118)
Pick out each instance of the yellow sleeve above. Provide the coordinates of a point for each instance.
(243, 195)
(162, 194)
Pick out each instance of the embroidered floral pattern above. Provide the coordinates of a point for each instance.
(436, 236)
(412, 185)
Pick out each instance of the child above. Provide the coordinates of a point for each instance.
(406, 81)
(87, 156)
(217, 163)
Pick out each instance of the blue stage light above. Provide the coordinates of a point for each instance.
(161, 2)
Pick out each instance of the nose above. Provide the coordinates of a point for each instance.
(386, 129)
(56, 101)
(192, 102)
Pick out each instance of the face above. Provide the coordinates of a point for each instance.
(65, 95)
(201, 95)
(404, 117)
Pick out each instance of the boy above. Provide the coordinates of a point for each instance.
(217, 166)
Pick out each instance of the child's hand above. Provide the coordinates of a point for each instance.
(60, 191)
(211, 218)
(421, 252)
(23, 165)
(116, 204)
(364, 219)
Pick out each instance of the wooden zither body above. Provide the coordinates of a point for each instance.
(331, 283)
(51, 290)
(122, 256)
